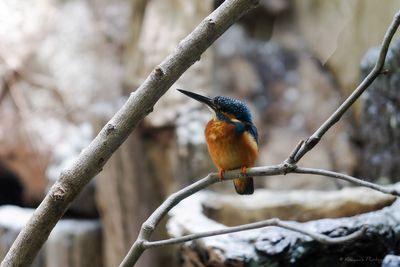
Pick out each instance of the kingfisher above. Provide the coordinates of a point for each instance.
(231, 137)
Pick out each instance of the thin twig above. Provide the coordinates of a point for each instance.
(285, 168)
(292, 155)
(387, 190)
(335, 117)
(323, 239)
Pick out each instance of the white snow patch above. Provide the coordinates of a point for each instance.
(14, 217)
(74, 140)
(187, 218)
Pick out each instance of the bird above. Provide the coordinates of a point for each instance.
(231, 137)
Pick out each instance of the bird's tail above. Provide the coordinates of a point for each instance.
(244, 186)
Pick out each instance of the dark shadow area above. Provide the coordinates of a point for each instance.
(11, 189)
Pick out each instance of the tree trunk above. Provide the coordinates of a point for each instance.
(144, 170)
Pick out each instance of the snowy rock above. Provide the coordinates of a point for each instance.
(380, 120)
(274, 246)
(71, 243)
(391, 261)
(298, 205)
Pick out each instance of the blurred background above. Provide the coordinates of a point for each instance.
(66, 66)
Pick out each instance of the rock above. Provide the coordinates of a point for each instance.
(11, 189)
(71, 243)
(391, 261)
(354, 26)
(75, 243)
(297, 205)
(51, 75)
(21, 154)
(272, 246)
(380, 120)
(12, 220)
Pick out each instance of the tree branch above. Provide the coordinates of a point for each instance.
(139, 104)
(289, 165)
(335, 117)
(151, 223)
(323, 239)
(348, 178)
(91, 161)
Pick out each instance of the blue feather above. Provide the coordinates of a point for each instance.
(241, 127)
(240, 111)
(233, 106)
(253, 131)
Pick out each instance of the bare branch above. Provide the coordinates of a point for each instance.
(151, 223)
(287, 166)
(91, 161)
(335, 117)
(290, 159)
(348, 178)
(323, 239)
(139, 104)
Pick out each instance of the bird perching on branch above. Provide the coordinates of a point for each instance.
(231, 137)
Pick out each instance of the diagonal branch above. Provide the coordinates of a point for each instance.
(335, 117)
(91, 161)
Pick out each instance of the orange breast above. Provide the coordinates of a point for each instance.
(228, 149)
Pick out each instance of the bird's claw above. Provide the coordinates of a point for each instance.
(243, 170)
(221, 175)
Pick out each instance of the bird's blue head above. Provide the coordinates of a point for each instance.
(231, 108)
(225, 108)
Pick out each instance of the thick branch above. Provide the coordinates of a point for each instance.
(140, 103)
(335, 117)
(271, 222)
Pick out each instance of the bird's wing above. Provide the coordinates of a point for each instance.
(241, 127)
(253, 132)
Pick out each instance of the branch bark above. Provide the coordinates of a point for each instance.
(140, 103)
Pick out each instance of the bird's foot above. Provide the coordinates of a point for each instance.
(243, 170)
(221, 175)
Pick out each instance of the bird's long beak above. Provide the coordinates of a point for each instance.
(203, 99)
